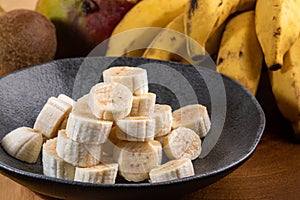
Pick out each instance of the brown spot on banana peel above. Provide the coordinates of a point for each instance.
(192, 8)
(221, 3)
(275, 67)
(277, 33)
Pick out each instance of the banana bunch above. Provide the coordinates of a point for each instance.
(242, 37)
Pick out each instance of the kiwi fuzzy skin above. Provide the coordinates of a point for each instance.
(26, 38)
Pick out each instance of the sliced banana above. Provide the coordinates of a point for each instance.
(23, 143)
(53, 165)
(109, 145)
(182, 143)
(136, 159)
(100, 174)
(75, 153)
(51, 117)
(194, 117)
(143, 105)
(134, 78)
(70, 101)
(163, 119)
(135, 129)
(174, 169)
(84, 127)
(66, 99)
(110, 101)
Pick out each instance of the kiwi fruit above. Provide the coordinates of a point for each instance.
(26, 38)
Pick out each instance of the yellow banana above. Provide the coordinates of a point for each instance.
(286, 87)
(203, 17)
(240, 56)
(277, 27)
(147, 13)
(170, 43)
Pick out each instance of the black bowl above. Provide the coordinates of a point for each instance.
(237, 121)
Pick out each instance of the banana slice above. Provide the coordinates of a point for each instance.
(75, 153)
(109, 145)
(51, 117)
(101, 174)
(84, 127)
(66, 99)
(134, 78)
(70, 101)
(194, 117)
(110, 101)
(53, 165)
(143, 105)
(163, 119)
(135, 129)
(136, 159)
(174, 169)
(23, 143)
(182, 143)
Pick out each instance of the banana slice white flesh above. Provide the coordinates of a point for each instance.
(135, 129)
(134, 78)
(109, 145)
(51, 116)
(100, 174)
(143, 105)
(66, 99)
(53, 165)
(70, 101)
(84, 127)
(110, 101)
(194, 117)
(182, 143)
(174, 169)
(23, 143)
(136, 159)
(75, 153)
(163, 119)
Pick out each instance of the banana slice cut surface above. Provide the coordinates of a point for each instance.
(182, 143)
(110, 101)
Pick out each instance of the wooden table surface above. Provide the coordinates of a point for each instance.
(272, 172)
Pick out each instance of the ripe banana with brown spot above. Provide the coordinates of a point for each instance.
(136, 159)
(203, 17)
(174, 169)
(23, 144)
(110, 101)
(182, 143)
(134, 78)
(84, 127)
(75, 153)
(51, 117)
(147, 13)
(163, 119)
(170, 42)
(53, 165)
(135, 129)
(286, 87)
(240, 56)
(277, 28)
(100, 174)
(194, 117)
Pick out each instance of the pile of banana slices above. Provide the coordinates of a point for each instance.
(115, 129)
